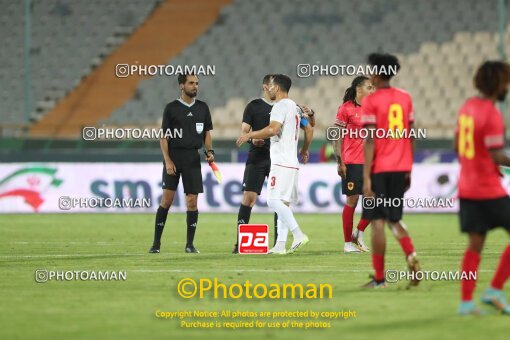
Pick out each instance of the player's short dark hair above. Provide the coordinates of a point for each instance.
(350, 93)
(181, 78)
(491, 76)
(385, 61)
(283, 81)
(267, 78)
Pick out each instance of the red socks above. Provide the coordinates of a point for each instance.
(470, 264)
(347, 219)
(362, 224)
(503, 271)
(407, 245)
(378, 263)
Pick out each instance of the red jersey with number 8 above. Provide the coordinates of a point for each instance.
(479, 128)
(390, 109)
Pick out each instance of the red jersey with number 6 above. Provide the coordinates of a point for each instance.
(390, 109)
(349, 117)
(480, 128)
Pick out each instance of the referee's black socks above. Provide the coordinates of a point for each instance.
(191, 221)
(161, 215)
(243, 217)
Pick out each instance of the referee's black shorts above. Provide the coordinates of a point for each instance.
(353, 182)
(255, 174)
(187, 164)
(480, 216)
(386, 186)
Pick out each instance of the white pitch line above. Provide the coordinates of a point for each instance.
(62, 242)
(246, 270)
(182, 255)
(145, 254)
(62, 255)
(271, 270)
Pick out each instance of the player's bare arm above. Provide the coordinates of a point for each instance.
(499, 157)
(408, 175)
(208, 147)
(269, 131)
(246, 128)
(304, 153)
(170, 166)
(309, 114)
(411, 127)
(456, 144)
(368, 150)
(337, 145)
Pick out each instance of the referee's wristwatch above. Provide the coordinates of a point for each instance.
(207, 152)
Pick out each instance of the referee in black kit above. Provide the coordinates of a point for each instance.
(181, 156)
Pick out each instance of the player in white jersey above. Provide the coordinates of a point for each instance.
(282, 185)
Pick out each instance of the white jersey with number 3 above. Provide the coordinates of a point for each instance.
(284, 145)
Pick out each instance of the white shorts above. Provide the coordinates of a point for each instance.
(282, 183)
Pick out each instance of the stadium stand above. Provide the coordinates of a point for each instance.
(68, 40)
(439, 44)
(437, 60)
(170, 28)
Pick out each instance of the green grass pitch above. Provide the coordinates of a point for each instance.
(125, 309)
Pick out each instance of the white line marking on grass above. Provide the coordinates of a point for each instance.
(51, 242)
(460, 253)
(182, 255)
(314, 269)
(244, 270)
(63, 255)
(162, 270)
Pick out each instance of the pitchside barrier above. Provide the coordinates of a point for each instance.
(136, 187)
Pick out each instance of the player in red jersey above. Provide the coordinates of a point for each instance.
(388, 164)
(484, 203)
(349, 156)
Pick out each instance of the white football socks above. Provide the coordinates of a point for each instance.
(297, 233)
(279, 246)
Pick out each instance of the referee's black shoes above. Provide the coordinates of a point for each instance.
(154, 249)
(236, 249)
(191, 249)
